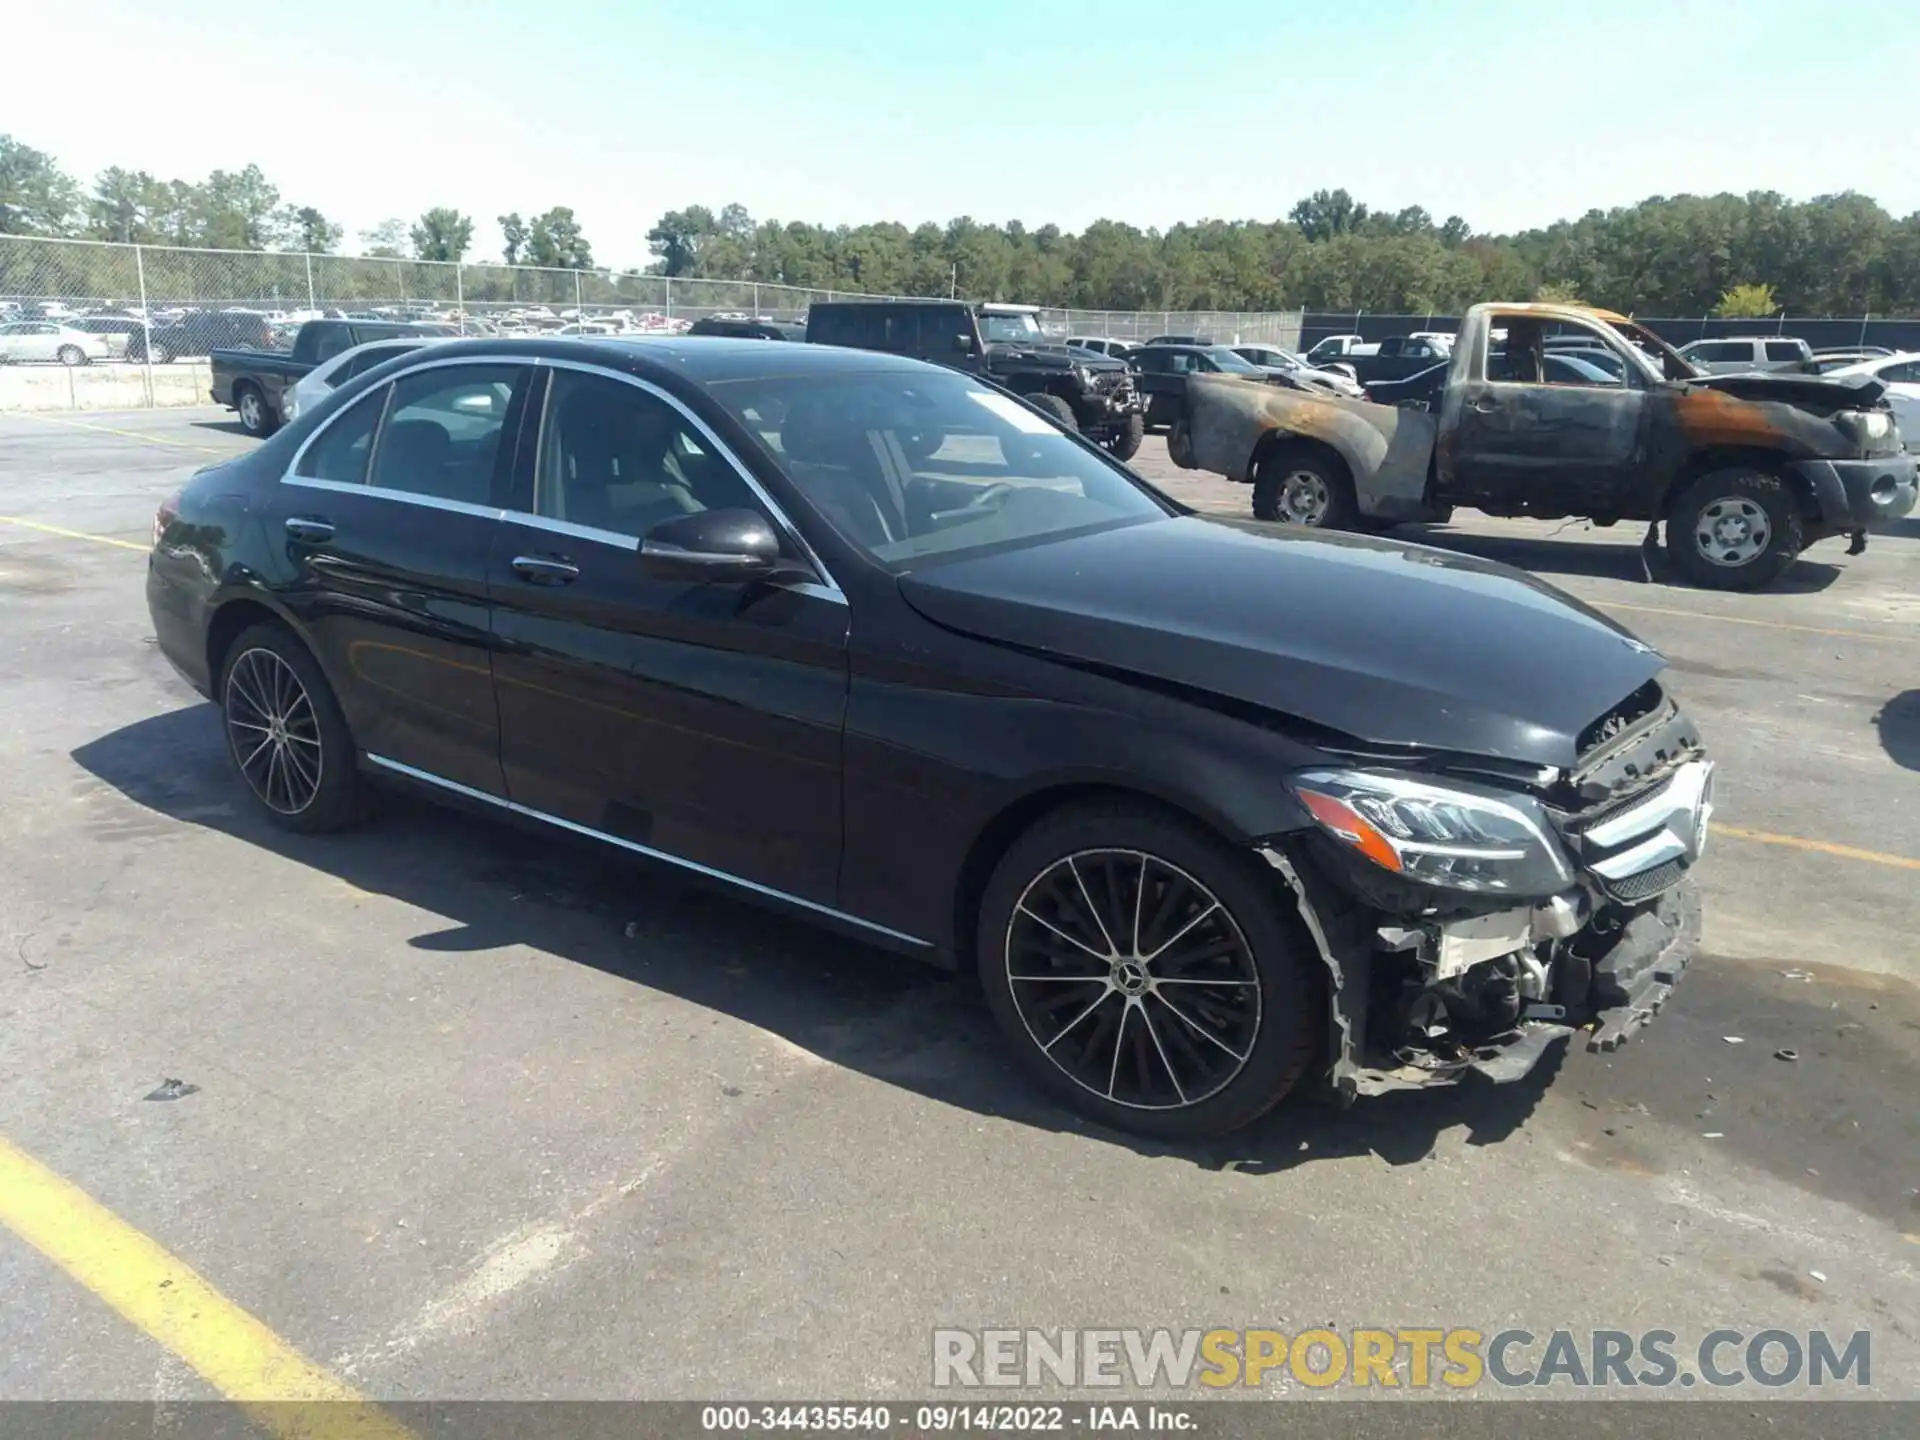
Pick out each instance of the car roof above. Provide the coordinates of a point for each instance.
(1874, 363)
(700, 358)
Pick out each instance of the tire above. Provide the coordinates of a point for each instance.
(1305, 487)
(256, 415)
(70, 355)
(1735, 529)
(1125, 442)
(1245, 958)
(1056, 407)
(309, 782)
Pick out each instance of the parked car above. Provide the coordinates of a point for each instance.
(1860, 352)
(1295, 367)
(1100, 345)
(1815, 456)
(1825, 362)
(1085, 392)
(1901, 375)
(1395, 358)
(748, 328)
(1748, 353)
(330, 374)
(116, 330)
(694, 612)
(1338, 347)
(22, 341)
(252, 383)
(1180, 340)
(199, 332)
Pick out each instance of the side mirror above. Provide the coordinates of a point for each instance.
(726, 545)
(963, 343)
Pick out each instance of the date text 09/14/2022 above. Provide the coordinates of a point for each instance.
(941, 1419)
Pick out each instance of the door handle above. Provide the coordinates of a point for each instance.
(309, 528)
(1485, 404)
(545, 570)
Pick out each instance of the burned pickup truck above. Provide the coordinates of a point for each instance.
(1745, 470)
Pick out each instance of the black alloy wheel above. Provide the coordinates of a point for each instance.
(286, 734)
(1145, 974)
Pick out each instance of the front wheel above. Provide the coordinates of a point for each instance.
(1146, 974)
(1304, 488)
(286, 734)
(1735, 529)
(1056, 407)
(1124, 443)
(71, 355)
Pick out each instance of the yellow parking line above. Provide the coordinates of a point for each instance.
(67, 534)
(111, 430)
(1744, 620)
(1820, 847)
(282, 1391)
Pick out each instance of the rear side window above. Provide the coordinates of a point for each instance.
(1724, 350)
(340, 451)
(1784, 350)
(360, 364)
(330, 341)
(442, 432)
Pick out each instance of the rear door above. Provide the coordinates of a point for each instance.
(1532, 438)
(697, 722)
(388, 516)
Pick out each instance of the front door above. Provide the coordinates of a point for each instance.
(1535, 432)
(700, 722)
(388, 518)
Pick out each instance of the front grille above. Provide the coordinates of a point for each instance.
(1639, 844)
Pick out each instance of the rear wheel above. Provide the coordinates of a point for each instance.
(71, 355)
(286, 734)
(1124, 443)
(1305, 488)
(1735, 529)
(256, 416)
(1146, 974)
(1056, 407)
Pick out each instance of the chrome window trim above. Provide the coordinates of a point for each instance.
(567, 527)
(827, 588)
(380, 492)
(514, 807)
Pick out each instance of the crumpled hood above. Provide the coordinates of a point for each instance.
(1388, 643)
(1846, 392)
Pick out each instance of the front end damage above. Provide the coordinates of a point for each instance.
(1427, 987)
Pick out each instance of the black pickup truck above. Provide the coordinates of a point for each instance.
(1396, 358)
(252, 382)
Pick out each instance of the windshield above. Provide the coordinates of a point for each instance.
(1020, 329)
(1229, 361)
(911, 464)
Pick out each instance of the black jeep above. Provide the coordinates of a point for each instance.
(1004, 343)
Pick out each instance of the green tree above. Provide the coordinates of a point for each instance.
(1746, 302)
(384, 241)
(678, 237)
(554, 241)
(442, 234)
(313, 232)
(37, 197)
(513, 236)
(123, 205)
(237, 210)
(1327, 213)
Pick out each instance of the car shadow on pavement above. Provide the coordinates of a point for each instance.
(895, 1019)
(1898, 722)
(1546, 556)
(224, 427)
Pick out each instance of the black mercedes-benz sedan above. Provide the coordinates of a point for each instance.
(1212, 807)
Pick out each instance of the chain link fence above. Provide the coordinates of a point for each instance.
(141, 289)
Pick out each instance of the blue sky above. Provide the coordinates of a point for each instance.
(1509, 113)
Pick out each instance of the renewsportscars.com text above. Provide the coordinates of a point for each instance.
(1407, 1358)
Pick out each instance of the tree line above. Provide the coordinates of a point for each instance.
(1753, 254)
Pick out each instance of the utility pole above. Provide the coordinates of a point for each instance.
(953, 286)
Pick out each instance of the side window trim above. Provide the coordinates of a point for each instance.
(828, 588)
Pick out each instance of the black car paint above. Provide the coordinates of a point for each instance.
(861, 747)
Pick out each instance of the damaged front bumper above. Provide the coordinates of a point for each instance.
(1418, 1003)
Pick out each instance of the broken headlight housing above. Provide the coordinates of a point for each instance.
(1872, 430)
(1452, 836)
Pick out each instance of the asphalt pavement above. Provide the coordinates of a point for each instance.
(477, 1114)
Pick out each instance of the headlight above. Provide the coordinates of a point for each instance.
(289, 407)
(1449, 836)
(1867, 428)
(1083, 377)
